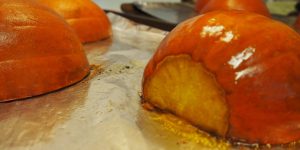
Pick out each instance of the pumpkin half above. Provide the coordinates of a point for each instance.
(87, 19)
(39, 52)
(231, 73)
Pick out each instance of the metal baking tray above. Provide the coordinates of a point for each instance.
(170, 12)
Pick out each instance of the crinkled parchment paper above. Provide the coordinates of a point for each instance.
(103, 111)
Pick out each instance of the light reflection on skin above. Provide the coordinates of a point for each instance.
(249, 72)
(220, 32)
(227, 37)
(6, 38)
(217, 31)
(212, 20)
(19, 16)
(231, 3)
(212, 31)
(238, 59)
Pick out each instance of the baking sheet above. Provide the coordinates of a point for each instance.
(103, 111)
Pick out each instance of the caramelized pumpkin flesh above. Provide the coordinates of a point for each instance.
(178, 86)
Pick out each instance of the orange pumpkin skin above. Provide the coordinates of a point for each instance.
(257, 68)
(87, 19)
(297, 24)
(39, 52)
(256, 6)
(200, 4)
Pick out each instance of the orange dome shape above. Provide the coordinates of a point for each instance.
(297, 24)
(85, 17)
(39, 51)
(220, 72)
(256, 6)
(200, 4)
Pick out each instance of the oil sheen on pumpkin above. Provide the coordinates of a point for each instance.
(255, 63)
(85, 17)
(39, 52)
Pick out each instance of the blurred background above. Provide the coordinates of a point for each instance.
(166, 14)
(115, 4)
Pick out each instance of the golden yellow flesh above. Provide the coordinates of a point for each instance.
(185, 88)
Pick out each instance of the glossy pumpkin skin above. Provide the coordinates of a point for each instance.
(39, 52)
(87, 19)
(257, 68)
(256, 6)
